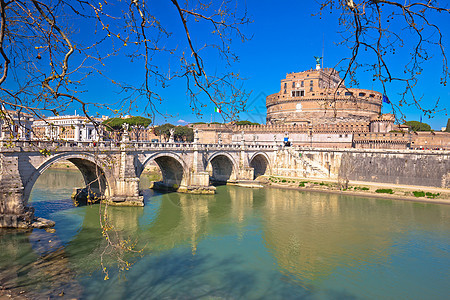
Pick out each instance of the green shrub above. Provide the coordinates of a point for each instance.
(431, 195)
(302, 184)
(419, 194)
(284, 180)
(384, 191)
(361, 188)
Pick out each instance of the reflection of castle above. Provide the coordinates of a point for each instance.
(311, 110)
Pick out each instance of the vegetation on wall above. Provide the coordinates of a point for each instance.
(418, 126)
(246, 123)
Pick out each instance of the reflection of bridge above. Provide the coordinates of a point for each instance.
(113, 169)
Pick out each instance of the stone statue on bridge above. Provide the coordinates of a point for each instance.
(171, 138)
(196, 136)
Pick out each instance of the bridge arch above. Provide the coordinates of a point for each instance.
(260, 163)
(173, 168)
(222, 167)
(93, 174)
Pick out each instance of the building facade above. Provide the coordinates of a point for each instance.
(69, 128)
(15, 125)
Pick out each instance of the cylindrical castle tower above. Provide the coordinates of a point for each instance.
(310, 97)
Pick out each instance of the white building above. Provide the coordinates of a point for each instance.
(15, 125)
(70, 128)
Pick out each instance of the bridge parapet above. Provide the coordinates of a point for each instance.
(12, 146)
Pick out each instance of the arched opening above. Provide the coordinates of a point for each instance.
(94, 177)
(221, 170)
(260, 165)
(78, 177)
(151, 173)
(166, 173)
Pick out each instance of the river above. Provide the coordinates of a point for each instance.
(238, 244)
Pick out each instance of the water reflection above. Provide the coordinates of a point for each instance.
(239, 243)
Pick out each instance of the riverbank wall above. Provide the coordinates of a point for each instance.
(408, 167)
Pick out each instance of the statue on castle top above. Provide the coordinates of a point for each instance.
(318, 58)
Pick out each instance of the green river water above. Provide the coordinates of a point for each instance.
(238, 244)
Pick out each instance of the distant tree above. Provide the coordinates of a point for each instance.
(137, 125)
(418, 126)
(448, 126)
(246, 123)
(163, 130)
(184, 133)
(113, 124)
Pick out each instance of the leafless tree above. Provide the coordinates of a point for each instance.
(390, 31)
(50, 49)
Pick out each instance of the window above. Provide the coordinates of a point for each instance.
(362, 94)
(285, 85)
(298, 93)
(302, 85)
(285, 91)
(310, 89)
(311, 82)
(348, 93)
(371, 95)
(337, 93)
(293, 84)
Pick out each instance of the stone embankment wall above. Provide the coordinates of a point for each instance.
(422, 169)
(408, 167)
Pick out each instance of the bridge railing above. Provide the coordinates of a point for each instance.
(112, 145)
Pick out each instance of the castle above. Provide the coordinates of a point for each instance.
(314, 109)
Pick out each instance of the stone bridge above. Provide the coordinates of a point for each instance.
(112, 170)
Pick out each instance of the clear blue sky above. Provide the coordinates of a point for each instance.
(286, 37)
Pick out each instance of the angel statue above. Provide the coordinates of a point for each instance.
(318, 58)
